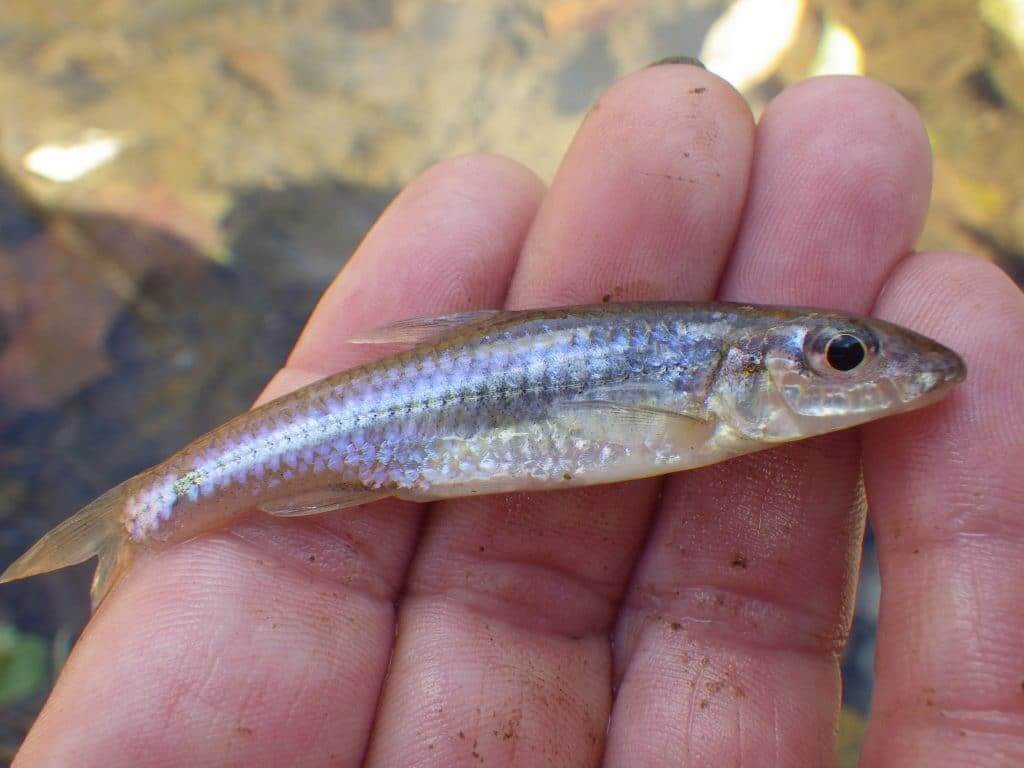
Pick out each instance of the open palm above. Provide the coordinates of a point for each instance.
(691, 621)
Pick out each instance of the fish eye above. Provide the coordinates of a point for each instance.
(844, 352)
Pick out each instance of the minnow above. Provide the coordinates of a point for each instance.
(500, 401)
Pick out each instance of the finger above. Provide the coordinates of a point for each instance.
(503, 645)
(448, 243)
(947, 494)
(729, 639)
(267, 644)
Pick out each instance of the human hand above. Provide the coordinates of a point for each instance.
(690, 621)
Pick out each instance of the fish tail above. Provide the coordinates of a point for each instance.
(95, 530)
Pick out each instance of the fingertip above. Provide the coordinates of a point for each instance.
(647, 200)
(464, 173)
(448, 242)
(875, 132)
(673, 87)
(840, 190)
(852, 90)
(933, 287)
(853, 103)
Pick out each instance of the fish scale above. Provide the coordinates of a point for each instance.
(510, 401)
(370, 425)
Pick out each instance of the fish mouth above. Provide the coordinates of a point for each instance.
(955, 369)
(950, 371)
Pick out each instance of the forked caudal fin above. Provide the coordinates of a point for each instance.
(95, 530)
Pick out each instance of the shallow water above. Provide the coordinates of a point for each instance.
(180, 180)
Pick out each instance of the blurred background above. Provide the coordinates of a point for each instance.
(179, 180)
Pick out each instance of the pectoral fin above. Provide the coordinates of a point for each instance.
(632, 426)
(319, 502)
(415, 330)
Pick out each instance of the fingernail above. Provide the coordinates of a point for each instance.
(678, 60)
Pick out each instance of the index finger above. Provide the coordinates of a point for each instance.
(267, 644)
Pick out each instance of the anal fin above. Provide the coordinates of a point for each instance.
(319, 502)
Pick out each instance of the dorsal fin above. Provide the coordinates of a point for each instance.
(415, 330)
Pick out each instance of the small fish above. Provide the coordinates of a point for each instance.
(497, 401)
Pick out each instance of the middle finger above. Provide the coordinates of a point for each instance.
(502, 650)
(729, 641)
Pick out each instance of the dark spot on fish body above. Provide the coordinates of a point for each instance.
(698, 91)
(243, 731)
(676, 626)
(739, 561)
(704, 704)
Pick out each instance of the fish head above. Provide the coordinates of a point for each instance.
(820, 373)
